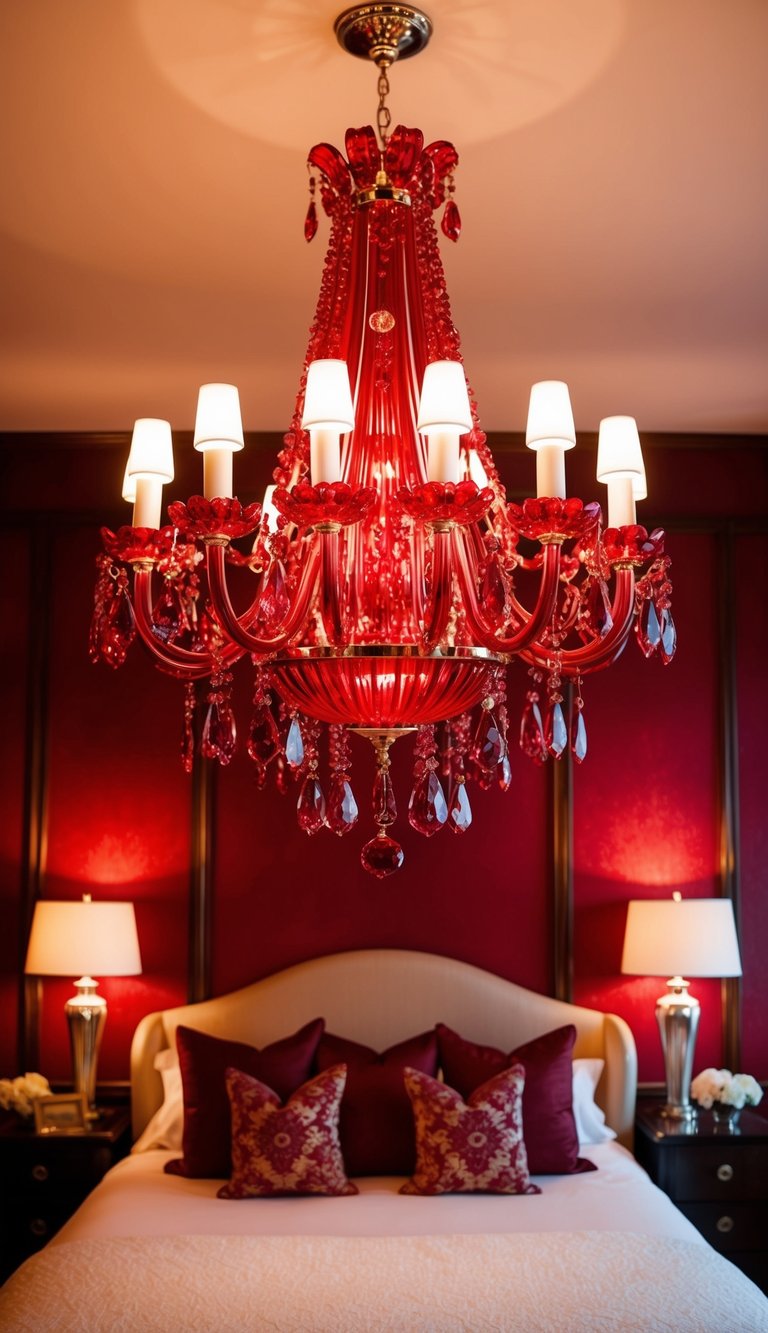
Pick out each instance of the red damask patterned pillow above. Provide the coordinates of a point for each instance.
(477, 1145)
(291, 1149)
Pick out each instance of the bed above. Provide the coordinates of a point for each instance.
(595, 1249)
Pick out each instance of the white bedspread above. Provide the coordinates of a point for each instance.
(577, 1282)
(136, 1198)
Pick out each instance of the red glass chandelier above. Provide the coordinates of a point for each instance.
(394, 583)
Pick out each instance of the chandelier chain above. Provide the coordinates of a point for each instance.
(383, 113)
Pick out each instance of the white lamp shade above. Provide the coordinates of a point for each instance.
(218, 424)
(151, 456)
(618, 449)
(327, 398)
(640, 486)
(444, 404)
(550, 416)
(477, 472)
(83, 939)
(129, 487)
(693, 937)
(268, 510)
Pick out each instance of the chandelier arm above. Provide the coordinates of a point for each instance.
(234, 627)
(594, 656)
(438, 609)
(182, 661)
(534, 621)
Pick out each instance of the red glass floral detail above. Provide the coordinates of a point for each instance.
(328, 502)
(128, 544)
(632, 545)
(437, 501)
(546, 517)
(211, 518)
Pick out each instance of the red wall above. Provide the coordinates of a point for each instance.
(646, 803)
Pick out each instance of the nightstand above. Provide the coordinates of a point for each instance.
(718, 1179)
(44, 1177)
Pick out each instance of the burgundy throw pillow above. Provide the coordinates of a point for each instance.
(204, 1061)
(549, 1128)
(291, 1149)
(464, 1147)
(376, 1125)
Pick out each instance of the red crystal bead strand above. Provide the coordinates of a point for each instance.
(311, 805)
(427, 809)
(342, 811)
(382, 856)
(263, 734)
(219, 736)
(532, 742)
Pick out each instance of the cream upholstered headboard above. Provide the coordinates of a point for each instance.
(382, 996)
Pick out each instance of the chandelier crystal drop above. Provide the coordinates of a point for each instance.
(392, 581)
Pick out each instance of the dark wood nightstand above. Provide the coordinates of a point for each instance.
(718, 1179)
(44, 1177)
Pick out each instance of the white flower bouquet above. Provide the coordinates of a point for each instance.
(720, 1085)
(20, 1094)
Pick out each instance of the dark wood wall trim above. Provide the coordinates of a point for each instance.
(203, 809)
(35, 818)
(730, 880)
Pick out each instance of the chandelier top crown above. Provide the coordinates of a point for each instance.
(383, 33)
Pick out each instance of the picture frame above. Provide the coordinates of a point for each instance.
(61, 1113)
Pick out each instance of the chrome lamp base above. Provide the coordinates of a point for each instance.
(677, 1014)
(86, 1015)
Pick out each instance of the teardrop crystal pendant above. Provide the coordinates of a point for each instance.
(384, 806)
(557, 731)
(578, 737)
(310, 221)
(294, 745)
(311, 805)
(427, 809)
(450, 223)
(532, 740)
(342, 809)
(668, 643)
(273, 598)
(648, 629)
(460, 811)
(505, 774)
(488, 747)
(382, 856)
(263, 737)
(493, 589)
(219, 733)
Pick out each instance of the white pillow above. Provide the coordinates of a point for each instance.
(167, 1124)
(590, 1120)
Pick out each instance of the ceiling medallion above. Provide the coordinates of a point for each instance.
(393, 582)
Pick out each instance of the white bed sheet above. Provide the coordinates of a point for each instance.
(136, 1198)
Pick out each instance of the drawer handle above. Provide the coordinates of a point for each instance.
(725, 1224)
(39, 1172)
(38, 1226)
(725, 1172)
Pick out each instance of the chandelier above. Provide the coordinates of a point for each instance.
(391, 581)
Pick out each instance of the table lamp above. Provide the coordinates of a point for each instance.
(81, 938)
(668, 938)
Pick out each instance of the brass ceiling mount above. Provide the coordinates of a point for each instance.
(383, 33)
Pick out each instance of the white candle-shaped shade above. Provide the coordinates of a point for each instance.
(129, 487)
(620, 465)
(327, 398)
(444, 415)
(150, 463)
(328, 413)
(218, 434)
(477, 472)
(640, 486)
(550, 431)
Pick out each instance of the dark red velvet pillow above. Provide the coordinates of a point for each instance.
(376, 1123)
(549, 1128)
(204, 1060)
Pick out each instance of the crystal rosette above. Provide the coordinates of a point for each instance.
(445, 502)
(221, 517)
(632, 545)
(553, 519)
(131, 544)
(333, 503)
